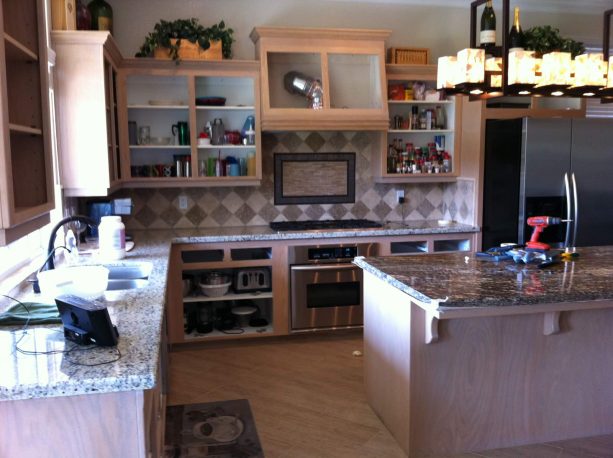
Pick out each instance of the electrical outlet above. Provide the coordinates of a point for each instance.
(182, 202)
(400, 196)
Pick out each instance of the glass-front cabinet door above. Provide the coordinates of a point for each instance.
(322, 79)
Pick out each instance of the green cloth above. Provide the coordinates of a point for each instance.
(38, 314)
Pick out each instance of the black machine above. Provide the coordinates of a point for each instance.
(86, 321)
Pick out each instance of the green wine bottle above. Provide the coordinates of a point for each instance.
(102, 15)
(516, 36)
(487, 37)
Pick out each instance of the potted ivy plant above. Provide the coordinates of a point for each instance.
(544, 39)
(168, 36)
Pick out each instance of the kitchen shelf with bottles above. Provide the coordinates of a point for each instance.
(405, 84)
(199, 312)
(194, 94)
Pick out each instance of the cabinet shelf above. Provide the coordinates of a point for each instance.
(419, 102)
(158, 107)
(249, 332)
(420, 131)
(18, 128)
(226, 108)
(18, 51)
(228, 297)
(186, 147)
(227, 147)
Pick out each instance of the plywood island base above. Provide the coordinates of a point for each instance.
(492, 379)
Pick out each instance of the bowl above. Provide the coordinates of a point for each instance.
(215, 290)
(211, 101)
(159, 141)
(88, 282)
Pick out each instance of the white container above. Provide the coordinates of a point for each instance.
(111, 238)
(89, 282)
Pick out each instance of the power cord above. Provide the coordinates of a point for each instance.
(75, 348)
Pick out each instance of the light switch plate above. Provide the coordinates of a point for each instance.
(182, 202)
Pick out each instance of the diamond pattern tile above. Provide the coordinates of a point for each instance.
(195, 215)
(245, 214)
(314, 141)
(221, 215)
(247, 205)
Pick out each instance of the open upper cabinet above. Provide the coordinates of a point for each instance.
(336, 78)
(26, 178)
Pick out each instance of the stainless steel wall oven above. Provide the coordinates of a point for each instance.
(325, 287)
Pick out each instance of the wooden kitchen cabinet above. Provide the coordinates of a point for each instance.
(26, 173)
(350, 65)
(404, 76)
(159, 94)
(87, 65)
(186, 307)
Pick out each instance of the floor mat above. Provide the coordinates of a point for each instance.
(223, 429)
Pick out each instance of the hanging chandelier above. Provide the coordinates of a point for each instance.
(521, 72)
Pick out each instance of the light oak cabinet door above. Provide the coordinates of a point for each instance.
(87, 65)
(26, 178)
(348, 63)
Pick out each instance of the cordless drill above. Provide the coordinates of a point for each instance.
(539, 223)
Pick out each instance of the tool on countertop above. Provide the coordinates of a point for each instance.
(539, 223)
(497, 253)
(572, 206)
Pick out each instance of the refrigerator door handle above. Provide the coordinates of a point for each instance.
(576, 205)
(568, 211)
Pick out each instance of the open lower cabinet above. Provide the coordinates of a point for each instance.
(219, 291)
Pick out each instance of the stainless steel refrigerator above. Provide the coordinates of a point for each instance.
(525, 164)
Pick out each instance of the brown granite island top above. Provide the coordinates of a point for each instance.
(450, 281)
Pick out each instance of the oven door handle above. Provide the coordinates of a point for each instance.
(346, 266)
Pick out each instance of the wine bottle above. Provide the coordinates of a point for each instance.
(516, 37)
(487, 38)
(102, 15)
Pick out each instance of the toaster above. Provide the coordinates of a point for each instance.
(252, 279)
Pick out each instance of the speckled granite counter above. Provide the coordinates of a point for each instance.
(137, 313)
(257, 233)
(138, 316)
(465, 281)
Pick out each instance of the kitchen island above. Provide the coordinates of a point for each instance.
(467, 355)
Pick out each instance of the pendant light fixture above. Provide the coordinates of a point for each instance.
(520, 72)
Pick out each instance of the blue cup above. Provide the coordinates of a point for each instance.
(234, 170)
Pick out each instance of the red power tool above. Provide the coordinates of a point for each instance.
(539, 223)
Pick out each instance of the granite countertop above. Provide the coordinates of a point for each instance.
(138, 315)
(465, 281)
(257, 233)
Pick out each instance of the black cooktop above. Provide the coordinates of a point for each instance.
(313, 225)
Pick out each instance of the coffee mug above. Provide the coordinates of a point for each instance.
(182, 130)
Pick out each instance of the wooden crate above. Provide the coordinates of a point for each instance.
(192, 51)
(408, 56)
(63, 15)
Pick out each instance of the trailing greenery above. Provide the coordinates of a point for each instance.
(544, 39)
(186, 29)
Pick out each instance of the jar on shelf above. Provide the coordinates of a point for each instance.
(84, 17)
(101, 15)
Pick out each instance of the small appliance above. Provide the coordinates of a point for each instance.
(252, 279)
(86, 321)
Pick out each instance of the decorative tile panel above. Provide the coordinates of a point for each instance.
(252, 206)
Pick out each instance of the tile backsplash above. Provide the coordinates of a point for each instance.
(251, 206)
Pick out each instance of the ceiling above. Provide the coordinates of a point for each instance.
(554, 6)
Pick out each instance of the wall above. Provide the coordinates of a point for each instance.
(442, 29)
(215, 207)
